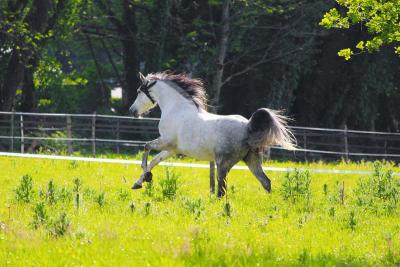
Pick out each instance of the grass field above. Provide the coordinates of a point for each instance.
(69, 213)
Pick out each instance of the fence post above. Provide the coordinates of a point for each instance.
(117, 136)
(305, 146)
(69, 134)
(12, 130)
(346, 143)
(94, 134)
(385, 148)
(21, 125)
(267, 153)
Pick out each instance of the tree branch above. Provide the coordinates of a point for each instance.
(260, 62)
(110, 15)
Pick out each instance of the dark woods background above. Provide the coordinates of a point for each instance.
(67, 55)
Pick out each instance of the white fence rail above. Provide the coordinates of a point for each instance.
(94, 133)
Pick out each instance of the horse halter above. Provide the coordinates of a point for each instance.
(145, 89)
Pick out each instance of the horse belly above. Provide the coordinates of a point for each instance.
(196, 144)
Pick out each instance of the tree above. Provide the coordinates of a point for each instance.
(380, 18)
(265, 36)
(124, 23)
(27, 26)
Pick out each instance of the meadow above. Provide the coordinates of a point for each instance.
(70, 213)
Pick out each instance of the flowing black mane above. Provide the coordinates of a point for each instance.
(189, 88)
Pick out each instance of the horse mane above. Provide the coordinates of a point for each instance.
(192, 89)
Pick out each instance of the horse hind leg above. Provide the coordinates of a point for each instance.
(223, 167)
(222, 173)
(212, 177)
(254, 161)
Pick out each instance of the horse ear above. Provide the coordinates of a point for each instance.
(141, 77)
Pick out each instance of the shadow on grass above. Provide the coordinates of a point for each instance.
(269, 258)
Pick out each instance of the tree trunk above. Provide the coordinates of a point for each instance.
(164, 9)
(11, 81)
(19, 74)
(221, 54)
(28, 90)
(131, 68)
(38, 20)
(130, 54)
(101, 95)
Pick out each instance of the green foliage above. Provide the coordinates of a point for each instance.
(333, 19)
(325, 188)
(296, 186)
(381, 19)
(148, 189)
(77, 192)
(147, 208)
(56, 88)
(335, 196)
(346, 53)
(169, 184)
(287, 54)
(51, 193)
(64, 195)
(123, 194)
(351, 221)
(28, 30)
(40, 215)
(101, 199)
(194, 206)
(132, 207)
(262, 229)
(379, 192)
(24, 192)
(60, 226)
(332, 211)
(227, 209)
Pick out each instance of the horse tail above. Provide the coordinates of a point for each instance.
(269, 127)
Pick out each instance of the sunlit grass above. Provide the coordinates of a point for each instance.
(115, 226)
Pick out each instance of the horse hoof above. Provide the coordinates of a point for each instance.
(136, 186)
(148, 177)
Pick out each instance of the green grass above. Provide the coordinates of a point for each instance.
(156, 226)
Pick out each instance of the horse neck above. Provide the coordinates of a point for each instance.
(169, 99)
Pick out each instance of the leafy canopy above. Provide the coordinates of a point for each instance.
(381, 19)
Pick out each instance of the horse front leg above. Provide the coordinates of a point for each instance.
(146, 176)
(156, 144)
(160, 157)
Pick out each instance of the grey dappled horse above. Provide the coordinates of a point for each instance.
(187, 128)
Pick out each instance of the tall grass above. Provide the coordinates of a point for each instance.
(55, 215)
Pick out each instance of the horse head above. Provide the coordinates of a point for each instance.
(144, 100)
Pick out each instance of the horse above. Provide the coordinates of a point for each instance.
(187, 128)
